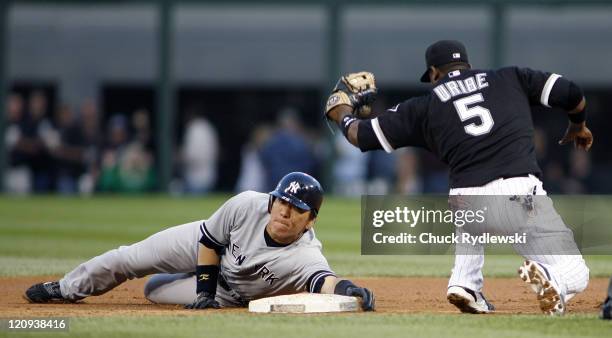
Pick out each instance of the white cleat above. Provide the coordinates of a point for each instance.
(468, 301)
(550, 298)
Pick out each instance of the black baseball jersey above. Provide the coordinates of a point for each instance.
(476, 121)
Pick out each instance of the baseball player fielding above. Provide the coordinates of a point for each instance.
(478, 122)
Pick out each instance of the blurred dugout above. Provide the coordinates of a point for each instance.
(239, 66)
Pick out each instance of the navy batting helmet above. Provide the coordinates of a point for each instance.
(301, 190)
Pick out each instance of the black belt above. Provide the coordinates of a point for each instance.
(511, 176)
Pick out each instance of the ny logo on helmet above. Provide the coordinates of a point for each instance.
(293, 187)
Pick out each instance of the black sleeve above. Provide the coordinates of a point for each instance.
(209, 240)
(549, 89)
(399, 126)
(216, 229)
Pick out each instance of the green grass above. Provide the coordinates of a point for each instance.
(51, 235)
(356, 325)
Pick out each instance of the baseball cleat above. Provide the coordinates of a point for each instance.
(550, 298)
(44, 293)
(606, 309)
(468, 301)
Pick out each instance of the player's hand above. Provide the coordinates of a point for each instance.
(356, 90)
(204, 301)
(361, 88)
(359, 103)
(579, 134)
(367, 297)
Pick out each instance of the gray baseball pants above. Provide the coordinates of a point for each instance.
(171, 251)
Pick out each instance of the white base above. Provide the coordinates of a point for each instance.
(305, 303)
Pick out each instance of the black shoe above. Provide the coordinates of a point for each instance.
(44, 293)
(606, 309)
(468, 301)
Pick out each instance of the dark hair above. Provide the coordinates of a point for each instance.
(453, 66)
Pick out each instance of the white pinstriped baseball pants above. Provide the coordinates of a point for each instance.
(568, 268)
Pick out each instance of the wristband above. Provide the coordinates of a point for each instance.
(345, 123)
(577, 117)
(206, 279)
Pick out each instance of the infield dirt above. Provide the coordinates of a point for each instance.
(393, 295)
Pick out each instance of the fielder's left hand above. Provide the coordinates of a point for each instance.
(355, 90)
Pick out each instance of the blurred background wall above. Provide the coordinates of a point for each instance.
(245, 83)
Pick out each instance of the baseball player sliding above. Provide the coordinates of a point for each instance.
(255, 245)
(479, 123)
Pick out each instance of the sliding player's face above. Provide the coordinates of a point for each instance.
(287, 222)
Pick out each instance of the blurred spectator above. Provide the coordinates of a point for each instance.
(350, 168)
(579, 180)
(252, 174)
(17, 177)
(126, 167)
(435, 176)
(39, 137)
(69, 155)
(92, 141)
(552, 171)
(135, 172)
(141, 124)
(408, 179)
(553, 177)
(287, 150)
(115, 143)
(200, 154)
(381, 172)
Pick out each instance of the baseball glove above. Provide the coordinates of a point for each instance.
(356, 82)
(357, 90)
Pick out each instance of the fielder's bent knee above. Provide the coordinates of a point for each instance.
(584, 278)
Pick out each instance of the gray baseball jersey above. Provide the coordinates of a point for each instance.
(253, 265)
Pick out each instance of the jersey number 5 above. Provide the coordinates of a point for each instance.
(466, 113)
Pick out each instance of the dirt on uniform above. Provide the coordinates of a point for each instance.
(393, 295)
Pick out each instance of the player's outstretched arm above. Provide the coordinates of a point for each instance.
(554, 90)
(335, 285)
(342, 115)
(207, 273)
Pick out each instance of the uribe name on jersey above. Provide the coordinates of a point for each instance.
(453, 88)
